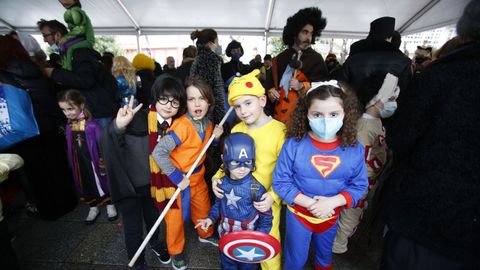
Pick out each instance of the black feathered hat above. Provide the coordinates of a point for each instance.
(233, 45)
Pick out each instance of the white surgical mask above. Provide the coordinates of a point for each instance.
(326, 127)
(55, 48)
(389, 108)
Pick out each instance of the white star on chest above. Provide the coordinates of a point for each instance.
(232, 199)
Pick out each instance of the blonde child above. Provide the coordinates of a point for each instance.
(319, 171)
(124, 73)
(247, 96)
(82, 134)
(175, 154)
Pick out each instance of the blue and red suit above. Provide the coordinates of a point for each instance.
(316, 169)
(235, 212)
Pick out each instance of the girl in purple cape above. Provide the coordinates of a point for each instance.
(84, 155)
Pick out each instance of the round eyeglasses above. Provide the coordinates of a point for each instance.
(165, 100)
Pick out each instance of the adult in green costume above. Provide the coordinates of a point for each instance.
(80, 34)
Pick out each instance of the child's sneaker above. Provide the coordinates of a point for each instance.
(179, 262)
(111, 212)
(92, 215)
(162, 255)
(209, 240)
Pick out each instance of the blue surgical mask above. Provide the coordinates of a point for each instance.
(389, 108)
(55, 48)
(236, 56)
(326, 127)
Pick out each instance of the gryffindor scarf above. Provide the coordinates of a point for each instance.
(161, 188)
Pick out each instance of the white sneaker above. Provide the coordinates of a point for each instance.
(92, 215)
(111, 212)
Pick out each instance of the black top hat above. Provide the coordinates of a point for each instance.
(381, 28)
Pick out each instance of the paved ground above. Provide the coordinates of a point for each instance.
(68, 243)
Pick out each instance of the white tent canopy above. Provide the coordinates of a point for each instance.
(345, 18)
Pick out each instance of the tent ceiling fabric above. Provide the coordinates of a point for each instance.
(346, 18)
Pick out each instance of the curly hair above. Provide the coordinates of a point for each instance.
(299, 126)
(121, 66)
(295, 23)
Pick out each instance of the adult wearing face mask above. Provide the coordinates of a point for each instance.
(229, 69)
(207, 66)
(87, 74)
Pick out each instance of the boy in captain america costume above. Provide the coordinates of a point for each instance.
(235, 210)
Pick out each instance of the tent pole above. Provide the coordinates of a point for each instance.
(138, 41)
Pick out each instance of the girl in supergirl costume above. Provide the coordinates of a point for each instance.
(82, 134)
(175, 154)
(320, 170)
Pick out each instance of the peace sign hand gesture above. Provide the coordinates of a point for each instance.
(126, 113)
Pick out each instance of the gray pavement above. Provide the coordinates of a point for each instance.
(68, 243)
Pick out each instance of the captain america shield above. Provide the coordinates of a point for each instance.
(249, 246)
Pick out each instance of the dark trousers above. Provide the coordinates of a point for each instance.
(49, 175)
(229, 264)
(400, 253)
(135, 211)
(8, 260)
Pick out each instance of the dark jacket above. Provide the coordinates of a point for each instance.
(126, 156)
(231, 68)
(144, 89)
(183, 71)
(433, 195)
(368, 57)
(27, 75)
(90, 77)
(313, 66)
(207, 66)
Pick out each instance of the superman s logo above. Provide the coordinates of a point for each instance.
(325, 165)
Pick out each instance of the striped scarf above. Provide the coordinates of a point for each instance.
(161, 188)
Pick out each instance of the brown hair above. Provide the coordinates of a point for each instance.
(190, 51)
(11, 48)
(299, 125)
(204, 89)
(204, 36)
(447, 47)
(74, 97)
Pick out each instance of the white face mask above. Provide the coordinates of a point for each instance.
(55, 48)
(218, 50)
(389, 108)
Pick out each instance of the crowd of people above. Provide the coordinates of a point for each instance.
(320, 139)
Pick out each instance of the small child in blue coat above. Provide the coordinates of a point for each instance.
(235, 210)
